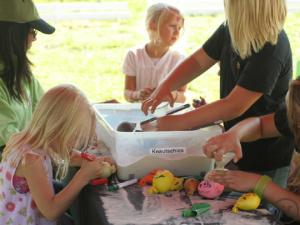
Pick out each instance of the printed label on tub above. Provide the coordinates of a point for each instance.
(166, 151)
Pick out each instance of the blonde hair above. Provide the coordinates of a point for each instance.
(62, 120)
(293, 112)
(156, 14)
(253, 23)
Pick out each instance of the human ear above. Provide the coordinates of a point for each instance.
(153, 25)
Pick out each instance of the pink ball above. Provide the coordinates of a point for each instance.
(210, 189)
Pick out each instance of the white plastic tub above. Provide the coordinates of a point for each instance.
(137, 153)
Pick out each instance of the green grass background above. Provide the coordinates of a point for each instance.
(89, 53)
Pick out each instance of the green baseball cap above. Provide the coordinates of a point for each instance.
(23, 11)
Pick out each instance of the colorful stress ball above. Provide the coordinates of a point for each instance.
(190, 186)
(162, 181)
(210, 189)
(107, 170)
(177, 184)
(248, 201)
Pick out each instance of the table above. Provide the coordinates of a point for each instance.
(133, 205)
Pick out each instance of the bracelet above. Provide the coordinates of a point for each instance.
(261, 185)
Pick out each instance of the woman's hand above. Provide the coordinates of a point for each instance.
(235, 180)
(217, 146)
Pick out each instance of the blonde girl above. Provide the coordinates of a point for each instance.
(145, 66)
(284, 122)
(63, 120)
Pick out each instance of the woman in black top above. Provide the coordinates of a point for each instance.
(255, 69)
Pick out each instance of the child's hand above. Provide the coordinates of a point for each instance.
(235, 180)
(108, 159)
(145, 93)
(91, 169)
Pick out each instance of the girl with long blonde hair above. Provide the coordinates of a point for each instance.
(63, 120)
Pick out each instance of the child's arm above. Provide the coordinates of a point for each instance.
(50, 205)
(75, 158)
(133, 95)
(130, 92)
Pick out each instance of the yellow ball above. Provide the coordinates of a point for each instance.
(248, 201)
(162, 181)
(107, 170)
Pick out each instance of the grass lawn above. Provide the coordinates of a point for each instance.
(89, 53)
